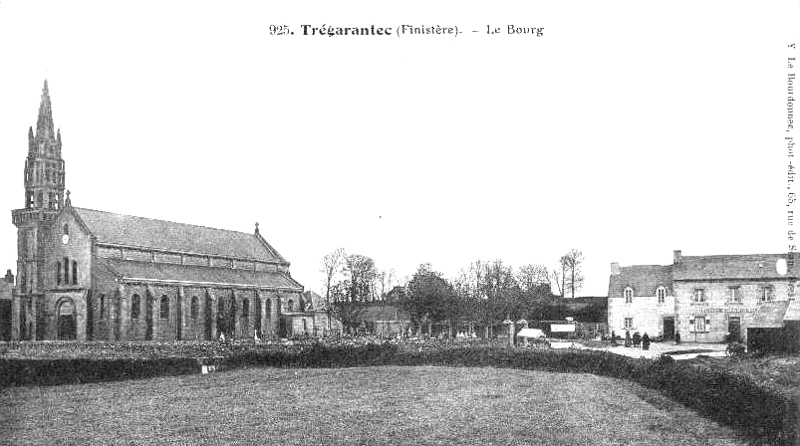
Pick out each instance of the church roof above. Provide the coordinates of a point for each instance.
(198, 275)
(128, 230)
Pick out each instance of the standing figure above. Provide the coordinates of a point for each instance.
(645, 342)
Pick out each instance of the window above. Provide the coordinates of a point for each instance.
(194, 307)
(735, 294)
(661, 293)
(74, 272)
(290, 305)
(135, 306)
(628, 323)
(269, 307)
(58, 273)
(164, 307)
(102, 306)
(766, 294)
(39, 199)
(628, 293)
(791, 289)
(700, 323)
(66, 229)
(66, 271)
(699, 295)
(245, 308)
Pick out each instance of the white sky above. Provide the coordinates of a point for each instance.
(627, 131)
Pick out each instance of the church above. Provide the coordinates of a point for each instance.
(85, 274)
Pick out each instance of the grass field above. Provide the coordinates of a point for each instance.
(369, 405)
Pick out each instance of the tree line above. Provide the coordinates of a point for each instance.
(483, 293)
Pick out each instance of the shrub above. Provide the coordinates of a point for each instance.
(736, 350)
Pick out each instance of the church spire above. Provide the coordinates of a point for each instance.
(44, 125)
(44, 167)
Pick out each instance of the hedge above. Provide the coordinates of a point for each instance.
(754, 408)
(24, 372)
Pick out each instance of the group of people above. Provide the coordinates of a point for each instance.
(636, 340)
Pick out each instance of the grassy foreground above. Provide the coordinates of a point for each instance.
(362, 405)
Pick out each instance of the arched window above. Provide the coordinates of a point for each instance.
(74, 272)
(164, 307)
(245, 308)
(194, 307)
(102, 306)
(290, 305)
(269, 307)
(58, 273)
(65, 229)
(661, 294)
(135, 306)
(66, 271)
(305, 327)
(628, 295)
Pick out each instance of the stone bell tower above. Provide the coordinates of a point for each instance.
(44, 197)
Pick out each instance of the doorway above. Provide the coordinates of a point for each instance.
(734, 329)
(669, 328)
(66, 321)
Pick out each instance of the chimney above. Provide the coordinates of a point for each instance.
(676, 256)
(614, 269)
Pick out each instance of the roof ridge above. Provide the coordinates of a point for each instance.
(722, 256)
(159, 219)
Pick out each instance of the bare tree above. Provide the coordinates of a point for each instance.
(384, 280)
(532, 277)
(331, 266)
(558, 278)
(571, 271)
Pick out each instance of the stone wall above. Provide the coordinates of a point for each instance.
(718, 309)
(648, 315)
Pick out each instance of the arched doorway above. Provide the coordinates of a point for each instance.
(66, 321)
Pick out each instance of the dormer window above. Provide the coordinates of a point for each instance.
(628, 293)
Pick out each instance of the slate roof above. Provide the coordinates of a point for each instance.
(130, 270)
(143, 232)
(644, 279)
(751, 266)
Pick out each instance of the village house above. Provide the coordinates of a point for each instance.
(704, 298)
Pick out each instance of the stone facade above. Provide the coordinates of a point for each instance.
(93, 275)
(704, 298)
